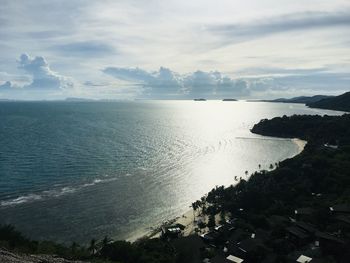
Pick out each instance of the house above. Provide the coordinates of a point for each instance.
(220, 258)
(234, 259)
(219, 228)
(210, 237)
(251, 249)
(331, 146)
(237, 235)
(343, 220)
(304, 259)
(306, 227)
(340, 209)
(190, 248)
(329, 240)
(304, 213)
(171, 231)
(277, 220)
(297, 235)
(231, 221)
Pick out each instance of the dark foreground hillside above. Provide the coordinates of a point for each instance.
(298, 211)
(9, 257)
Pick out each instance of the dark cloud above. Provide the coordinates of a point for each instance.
(236, 33)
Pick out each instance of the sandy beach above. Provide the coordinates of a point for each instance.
(300, 143)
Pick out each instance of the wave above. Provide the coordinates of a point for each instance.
(53, 193)
(21, 200)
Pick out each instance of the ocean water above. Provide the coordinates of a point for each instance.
(71, 171)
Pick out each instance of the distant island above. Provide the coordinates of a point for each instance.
(200, 99)
(229, 100)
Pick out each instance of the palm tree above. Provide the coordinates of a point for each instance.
(246, 174)
(259, 166)
(74, 248)
(194, 207)
(92, 248)
(105, 241)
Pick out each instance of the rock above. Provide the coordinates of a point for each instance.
(10, 257)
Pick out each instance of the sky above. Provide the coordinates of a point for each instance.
(174, 49)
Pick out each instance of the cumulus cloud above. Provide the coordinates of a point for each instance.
(214, 84)
(6, 85)
(166, 83)
(38, 82)
(42, 76)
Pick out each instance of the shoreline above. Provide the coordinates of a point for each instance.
(300, 143)
(187, 219)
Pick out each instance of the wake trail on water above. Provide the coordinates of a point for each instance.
(54, 193)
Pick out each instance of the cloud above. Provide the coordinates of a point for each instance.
(241, 32)
(317, 81)
(269, 83)
(6, 86)
(129, 74)
(39, 81)
(43, 78)
(165, 83)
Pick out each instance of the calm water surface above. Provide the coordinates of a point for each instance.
(73, 171)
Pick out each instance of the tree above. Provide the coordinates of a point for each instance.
(211, 221)
(93, 247)
(105, 241)
(74, 248)
(194, 207)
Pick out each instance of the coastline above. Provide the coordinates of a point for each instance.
(187, 219)
(300, 143)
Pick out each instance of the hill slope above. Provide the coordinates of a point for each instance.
(9, 257)
(341, 103)
(301, 99)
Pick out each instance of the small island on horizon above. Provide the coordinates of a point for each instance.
(229, 100)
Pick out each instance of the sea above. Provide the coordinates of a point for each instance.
(73, 171)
